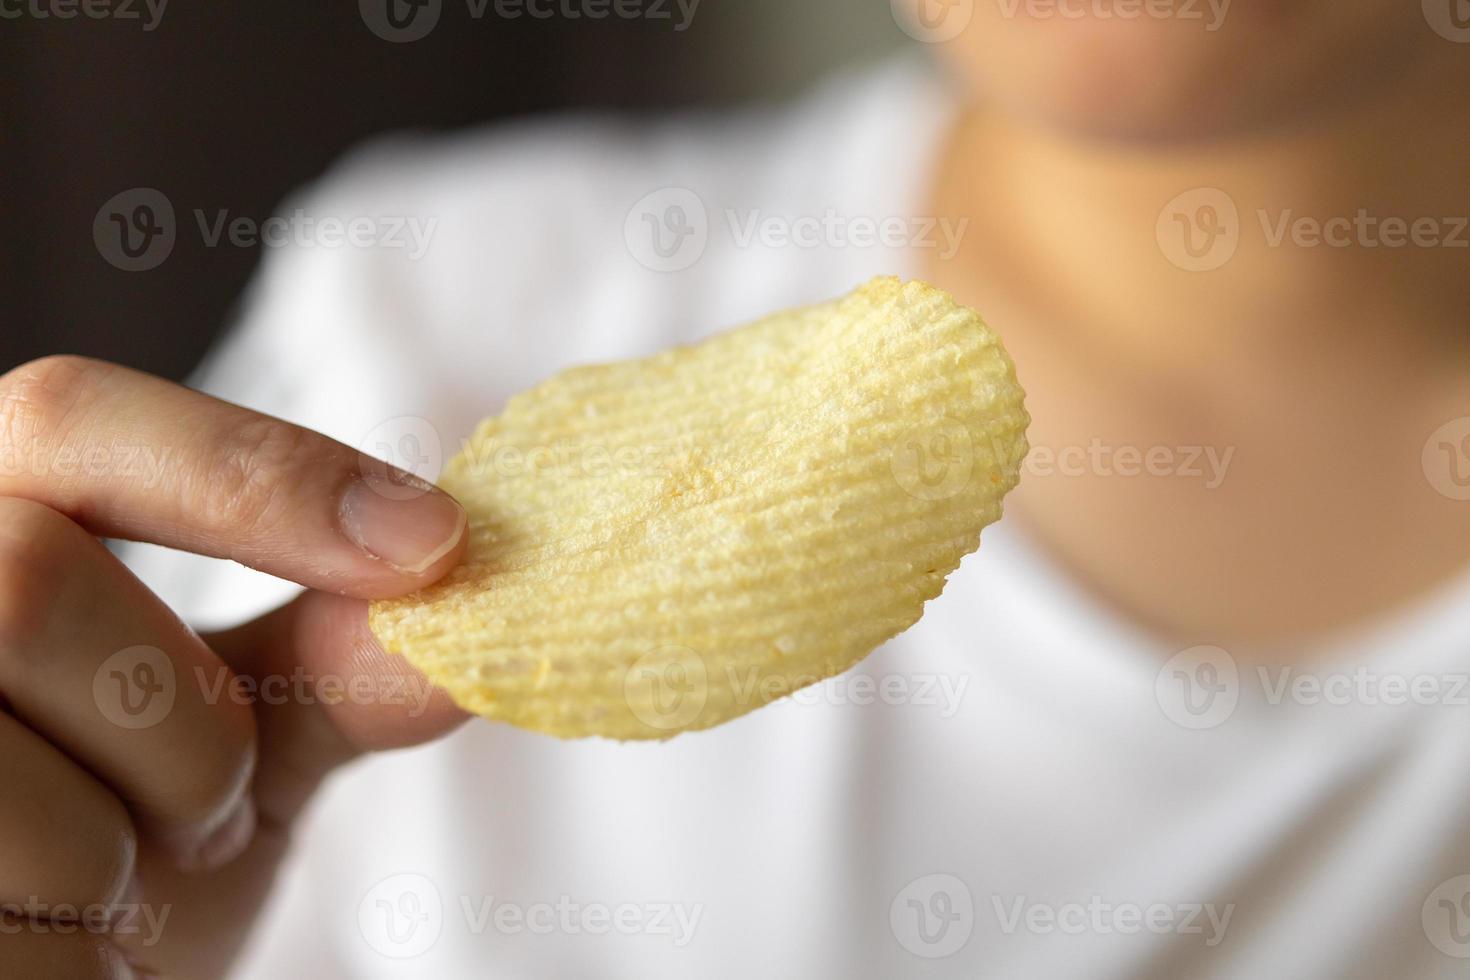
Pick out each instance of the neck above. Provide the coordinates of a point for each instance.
(1338, 229)
(1327, 368)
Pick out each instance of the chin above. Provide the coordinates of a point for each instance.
(1261, 66)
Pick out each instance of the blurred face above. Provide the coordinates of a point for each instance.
(1182, 70)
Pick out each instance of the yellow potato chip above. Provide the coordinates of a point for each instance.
(661, 545)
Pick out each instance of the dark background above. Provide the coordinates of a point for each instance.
(232, 105)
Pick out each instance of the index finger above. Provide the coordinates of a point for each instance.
(227, 482)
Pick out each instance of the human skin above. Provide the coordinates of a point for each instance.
(187, 813)
(1324, 370)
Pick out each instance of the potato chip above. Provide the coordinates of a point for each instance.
(661, 545)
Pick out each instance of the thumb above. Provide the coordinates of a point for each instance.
(324, 691)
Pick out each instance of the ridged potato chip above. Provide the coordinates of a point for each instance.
(661, 545)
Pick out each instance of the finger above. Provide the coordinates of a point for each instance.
(64, 839)
(130, 456)
(42, 951)
(98, 666)
(347, 695)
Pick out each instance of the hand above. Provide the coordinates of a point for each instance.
(137, 767)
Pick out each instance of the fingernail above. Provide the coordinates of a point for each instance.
(227, 842)
(408, 530)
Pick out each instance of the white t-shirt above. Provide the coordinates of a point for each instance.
(1021, 786)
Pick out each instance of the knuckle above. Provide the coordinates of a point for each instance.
(246, 484)
(33, 542)
(37, 397)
